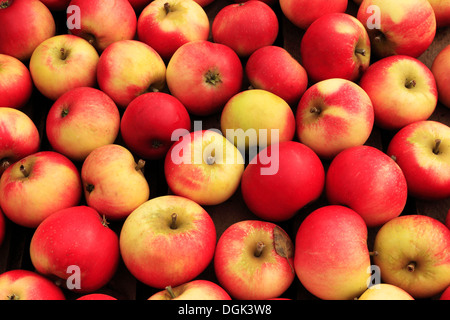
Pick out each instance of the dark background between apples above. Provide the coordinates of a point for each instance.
(14, 253)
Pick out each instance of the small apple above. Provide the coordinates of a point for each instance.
(412, 252)
(440, 69)
(445, 295)
(254, 260)
(385, 291)
(193, 290)
(56, 5)
(333, 115)
(167, 241)
(96, 296)
(441, 10)
(16, 85)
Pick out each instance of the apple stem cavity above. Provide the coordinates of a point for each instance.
(24, 171)
(167, 8)
(5, 4)
(89, 188)
(259, 248)
(140, 165)
(173, 224)
(13, 297)
(210, 160)
(64, 112)
(436, 146)
(360, 51)
(410, 84)
(64, 54)
(170, 291)
(315, 110)
(411, 267)
(212, 77)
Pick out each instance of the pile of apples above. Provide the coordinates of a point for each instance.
(132, 82)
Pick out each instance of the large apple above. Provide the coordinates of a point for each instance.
(204, 75)
(298, 178)
(19, 137)
(440, 69)
(149, 121)
(193, 290)
(254, 260)
(442, 12)
(167, 241)
(129, 68)
(38, 185)
(385, 291)
(333, 115)
(81, 120)
(422, 150)
(114, 195)
(402, 90)
(61, 63)
(368, 181)
(332, 259)
(104, 22)
(404, 27)
(25, 24)
(274, 69)
(204, 166)
(245, 26)
(20, 284)
(336, 45)
(16, 85)
(412, 252)
(165, 25)
(76, 245)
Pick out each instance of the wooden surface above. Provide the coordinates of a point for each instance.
(14, 253)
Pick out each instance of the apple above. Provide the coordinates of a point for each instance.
(20, 137)
(447, 219)
(114, 195)
(169, 240)
(421, 149)
(96, 296)
(298, 180)
(20, 284)
(441, 10)
(245, 26)
(165, 25)
(129, 68)
(192, 290)
(445, 295)
(81, 120)
(148, 122)
(385, 291)
(333, 115)
(37, 186)
(274, 69)
(368, 181)
(61, 63)
(205, 3)
(403, 27)
(104, 22)
(56, 5)
(254, 260)
(302, 13)
(412, 252)
(331, 258)
(16, 85)
(2, 227)
(25, 24)
(402, 89)
(440, 69)
(204, 75)
(336, 45)
(204, 167)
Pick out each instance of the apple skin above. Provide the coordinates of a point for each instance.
(333, 115)
(243, 274)
(20, 137)
(274, 69)
(368, 181)
(149, 121)
(204, 75)
(336, 45)
(36, 25)
(165, 25)
(57, 244)
(19, 284)
(56, 5)
(245, 26)
(447, 219)
(193, 290)
(406, 27)
(16, 85)
(50, 182)
(442, 12)
(385, 291)
(299, 180)
(407, 260)
(81, 120)
(427, 173)
(331, 255)
(402, 89)
(129, 68)
(445, 295)
(99, 21)
(114, 195)
(97, 296)
(159, 255)
(61, 63)
(440, 69)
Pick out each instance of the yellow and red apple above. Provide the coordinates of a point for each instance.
(385, 291)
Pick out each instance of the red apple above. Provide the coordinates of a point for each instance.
(441, 10)
(204, 75)
(445, 295)
(25, 24)
(298, 179)
(245, 26)
(96, 296)
(336, 45)
(441, 72)
(149, 121)
(193, 290)
(56, 5)
(76, 245)
(16, 85)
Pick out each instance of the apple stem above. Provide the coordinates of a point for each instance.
(4, 164)
(140, 165)
(373, 253)
(411, 266)
(410, 84)
(170, 291)
(64, 112)
(167, 7)
(104, 221)
(173, 224)
(63, 54)
(259, 248)
(436, 147)
(13, 297)
(24, 171)
(315, 110)
(210, 160)
(360, 51)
